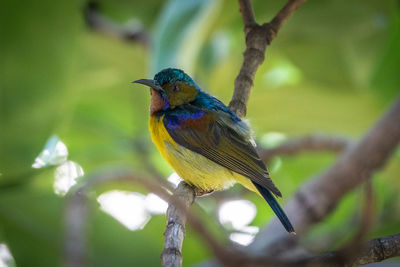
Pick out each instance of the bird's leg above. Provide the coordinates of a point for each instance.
(200, 192)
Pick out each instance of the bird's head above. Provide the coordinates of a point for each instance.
(170, 88)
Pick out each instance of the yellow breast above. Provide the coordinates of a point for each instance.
(194, 168)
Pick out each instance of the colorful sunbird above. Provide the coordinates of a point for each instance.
(204, 141)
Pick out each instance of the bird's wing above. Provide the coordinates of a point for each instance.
(209, 133)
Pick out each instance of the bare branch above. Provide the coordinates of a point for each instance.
(178, 212)
(378, 249)
(75, 217)
(316, 199)
(95, 20)
(246, 9)
(306, 143)
(175, 231)
(374, 250)
(258, 37)
(284, 14)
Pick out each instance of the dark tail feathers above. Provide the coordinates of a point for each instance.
(276, 208)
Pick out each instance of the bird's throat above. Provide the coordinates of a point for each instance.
(157, 102)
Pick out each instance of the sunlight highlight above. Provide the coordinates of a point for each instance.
(54, 153)
(126, 207)
(272, 139)
(6, 259)
(237, 213)
(174, 179)
(155, 205)
(243, 239)
(65, 177)
(283, 73)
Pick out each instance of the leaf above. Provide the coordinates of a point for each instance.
(386, 80)
(180, 33)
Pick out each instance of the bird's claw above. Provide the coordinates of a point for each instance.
(200, 192)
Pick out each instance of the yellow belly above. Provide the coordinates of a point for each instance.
(192, 167)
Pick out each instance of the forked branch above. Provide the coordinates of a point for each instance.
(258, 37)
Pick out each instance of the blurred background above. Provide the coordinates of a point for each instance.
(68, 111)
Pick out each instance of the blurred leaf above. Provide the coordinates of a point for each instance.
(386, 80)
(180, 33)
(35, 61)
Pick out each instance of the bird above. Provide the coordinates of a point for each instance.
(204, 141)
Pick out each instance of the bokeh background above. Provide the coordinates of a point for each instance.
(68, 110)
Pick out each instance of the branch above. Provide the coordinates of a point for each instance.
(75, 217)
(175, 231)
(76, 214)
(378, 249)
(246, 9)
(95, 20)
(374, 250)
(178, 212)
(258, 37)
(306, 143)
(353, 249)
(284, 14)
(317, 198)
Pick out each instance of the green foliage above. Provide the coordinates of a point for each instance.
(332, 69)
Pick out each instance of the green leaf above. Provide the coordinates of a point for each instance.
(180, 33)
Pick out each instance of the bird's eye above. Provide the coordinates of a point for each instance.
(175, 88)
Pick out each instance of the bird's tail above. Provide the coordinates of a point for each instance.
(267, 195)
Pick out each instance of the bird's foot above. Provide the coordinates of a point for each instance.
(200, 192)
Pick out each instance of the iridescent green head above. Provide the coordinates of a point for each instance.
(173, 86)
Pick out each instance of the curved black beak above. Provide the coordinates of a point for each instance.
(151, 83)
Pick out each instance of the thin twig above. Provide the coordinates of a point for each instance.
(95, 20)
(353, 248)
(246, 9)
(307, 143)
(284, 14)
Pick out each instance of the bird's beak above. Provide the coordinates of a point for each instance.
(151, 83)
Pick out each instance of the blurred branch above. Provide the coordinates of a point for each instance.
(317, 198)
(178, 212)
(96, 21)
(353, 249)
(258, 37)
(353, 254)
(306, 143)
(75, 217)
